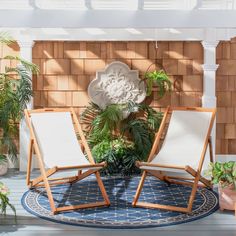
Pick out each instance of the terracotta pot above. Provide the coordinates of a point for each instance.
(3, 168)
(227, 197)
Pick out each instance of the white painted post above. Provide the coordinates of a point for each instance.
(25, 53)
(209, 77)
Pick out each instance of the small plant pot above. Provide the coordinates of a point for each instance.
(3, 168)
(227, 197)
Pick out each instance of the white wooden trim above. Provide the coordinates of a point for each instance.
(112, 34)
(39, 18)
(225, 158)
(209, 75)
(25, 53)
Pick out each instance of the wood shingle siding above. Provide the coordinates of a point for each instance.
(226, 97)
(66, 69)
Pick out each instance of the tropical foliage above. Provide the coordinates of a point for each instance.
(120, 139)
(223, 173)
(15, 93)
(3, 159)
(123, 134)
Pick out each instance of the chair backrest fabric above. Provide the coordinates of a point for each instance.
(57, 139)
(185, 138)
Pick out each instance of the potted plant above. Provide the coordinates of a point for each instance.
(3, 164)
(4, 200)
(15, 94)
(121, 141)
(224, 174)
(158, 78)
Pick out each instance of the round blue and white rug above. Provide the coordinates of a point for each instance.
(121, 214)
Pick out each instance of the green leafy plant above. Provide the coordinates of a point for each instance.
(6, 38)
(4, 200)
(160, 79)
(117, 140)
(15, 94)
(121, 134)
(140, 135)
(105, 123)
(119, 154)
(3, 159)
(223, 173)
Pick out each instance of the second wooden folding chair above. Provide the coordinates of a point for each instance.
(182, 153)
(53, 139)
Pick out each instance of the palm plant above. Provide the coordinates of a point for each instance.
(15, 94)
(121, 141)
(140, 135)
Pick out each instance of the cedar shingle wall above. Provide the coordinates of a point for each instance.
(66, 68)
(226, 98)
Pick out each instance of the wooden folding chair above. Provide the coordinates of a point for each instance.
(183, 152)
(54, 141)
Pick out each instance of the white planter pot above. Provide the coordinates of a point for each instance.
(3, 169)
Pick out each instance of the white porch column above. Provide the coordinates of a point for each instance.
(209, 77)
(25, 53)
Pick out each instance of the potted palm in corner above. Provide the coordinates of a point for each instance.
(15, 93)
(224, 174)
(3, 164)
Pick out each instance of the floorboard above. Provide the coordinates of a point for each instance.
(217, 224)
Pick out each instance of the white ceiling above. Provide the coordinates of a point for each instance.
(119, 19)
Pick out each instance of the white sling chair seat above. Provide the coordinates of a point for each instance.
(184, 141)
(57, 140)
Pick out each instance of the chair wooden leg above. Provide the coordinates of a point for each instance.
(167, 207)
(102, 188)
(159, 176)
(193, 193)
(49, 192)
(210, 150)
(77, 207)
(39, 179)
(139, 189)
(82, 176)
(30, 155)
(78, 176)
(162, 207)
(206, 182)
(47, 185)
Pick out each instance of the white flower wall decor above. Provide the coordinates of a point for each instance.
(116, 84)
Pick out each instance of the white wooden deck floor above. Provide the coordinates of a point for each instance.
(217, 224)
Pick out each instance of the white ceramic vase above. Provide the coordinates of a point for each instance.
(3, 168)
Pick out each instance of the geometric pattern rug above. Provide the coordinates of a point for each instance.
(121, 214)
